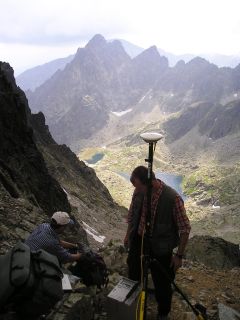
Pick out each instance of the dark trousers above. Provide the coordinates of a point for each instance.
(162, 274)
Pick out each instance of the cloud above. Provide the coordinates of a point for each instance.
(32, 30)
(57, 22)
(22, 57)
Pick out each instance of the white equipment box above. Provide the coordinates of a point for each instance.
(122, 300)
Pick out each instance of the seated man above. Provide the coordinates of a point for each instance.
(46, 237)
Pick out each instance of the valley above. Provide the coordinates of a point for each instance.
(210, 188)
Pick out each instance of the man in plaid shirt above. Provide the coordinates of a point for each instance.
(170, 229)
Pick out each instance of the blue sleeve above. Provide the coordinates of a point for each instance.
(62, 254)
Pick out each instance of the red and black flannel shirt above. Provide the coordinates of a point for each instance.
(179, 213)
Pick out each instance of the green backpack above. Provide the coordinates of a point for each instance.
(31, 282)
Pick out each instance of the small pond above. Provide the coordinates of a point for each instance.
(173, 180)
(95, 158)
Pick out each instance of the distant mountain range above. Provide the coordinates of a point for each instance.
(220, 60)
(34, 77)
(102, 81)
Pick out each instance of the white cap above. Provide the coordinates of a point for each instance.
(62, 218)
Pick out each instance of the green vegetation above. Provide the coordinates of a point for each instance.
(219, 182)
(117, 160)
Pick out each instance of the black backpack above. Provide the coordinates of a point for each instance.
(92, 269)
(31, 282)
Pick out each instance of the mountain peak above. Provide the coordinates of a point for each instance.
(116, 43)
(151, 56)
(198, 61)
(8, 71)
(151, 51)
(97, 41)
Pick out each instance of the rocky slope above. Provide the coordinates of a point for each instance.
(210, 285)
(90, 200)
(38, 177)
(23, 170)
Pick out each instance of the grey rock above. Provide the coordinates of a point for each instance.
(227, 313)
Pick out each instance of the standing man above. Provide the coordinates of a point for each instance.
(46, 237)
(170, 229)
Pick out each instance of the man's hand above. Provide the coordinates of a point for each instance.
(68, 245)
(176, 262)
(76, 256)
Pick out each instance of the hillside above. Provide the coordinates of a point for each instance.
(38, 177)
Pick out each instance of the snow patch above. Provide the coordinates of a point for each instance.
(235, 95)
(68, 196)
(121, 113)
(215, 207)
(141, 100)
(92, 232)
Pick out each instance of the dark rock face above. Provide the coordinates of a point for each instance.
(190, 117)
(23, 172)
(221, 121)
(213, 252)
(38, 176)
(62, 163)
(214, 120)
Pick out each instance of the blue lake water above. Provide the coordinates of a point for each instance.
(95, 158)
(173, 180)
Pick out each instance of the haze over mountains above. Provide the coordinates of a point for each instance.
(34, 77)
(103, 80)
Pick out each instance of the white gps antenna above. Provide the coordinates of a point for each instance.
(151, 137)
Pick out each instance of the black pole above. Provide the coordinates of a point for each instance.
(146, 244)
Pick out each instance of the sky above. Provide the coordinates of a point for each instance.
(33, 32)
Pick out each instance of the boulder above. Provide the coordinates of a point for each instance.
(213, 252)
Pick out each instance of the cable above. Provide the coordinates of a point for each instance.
(141, 257)
(141, 262)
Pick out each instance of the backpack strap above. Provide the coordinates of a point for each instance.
(20, 265)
